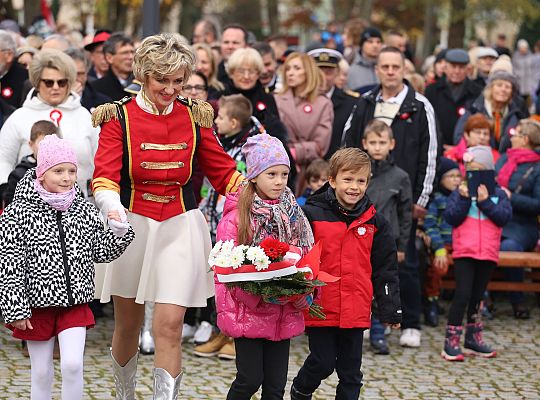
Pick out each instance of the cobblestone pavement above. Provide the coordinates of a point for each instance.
(404, 374)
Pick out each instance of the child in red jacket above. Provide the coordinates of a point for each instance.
(357, 245)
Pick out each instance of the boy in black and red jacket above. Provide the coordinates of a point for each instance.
(359, 247)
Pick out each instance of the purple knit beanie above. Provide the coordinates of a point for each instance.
(53, 151)
(262, 152)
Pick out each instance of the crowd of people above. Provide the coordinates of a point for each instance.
(399, 171)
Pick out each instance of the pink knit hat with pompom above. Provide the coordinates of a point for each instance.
(53, 151)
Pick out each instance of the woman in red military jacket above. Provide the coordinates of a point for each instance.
(144, 165)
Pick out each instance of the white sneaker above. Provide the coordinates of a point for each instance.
(188, 331)
(203, 333)
(410, 338)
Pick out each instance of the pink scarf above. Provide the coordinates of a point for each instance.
(515, 157)
(58, 201)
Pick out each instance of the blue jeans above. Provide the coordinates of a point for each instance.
(514, 274)
(377, 329)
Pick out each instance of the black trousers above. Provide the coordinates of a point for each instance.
(409, 284)
(207, 313)
(333, 348)
(472, 278)
(260, 362)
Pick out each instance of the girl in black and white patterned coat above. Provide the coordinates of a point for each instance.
(50, 238)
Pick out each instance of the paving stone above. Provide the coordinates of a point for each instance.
(419, 374)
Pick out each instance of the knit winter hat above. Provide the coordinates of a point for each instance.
(53, 151)
(369, 33)
(505, 76)
(480, 154)
(445, 165)
(262, 152)
(503, 63)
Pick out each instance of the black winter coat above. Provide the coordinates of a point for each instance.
(390, 191)
(12, 85)
(414, 129)
(343, 102)
(447, 109)
(110, 86)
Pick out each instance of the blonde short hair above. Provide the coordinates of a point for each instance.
(531, 128)
(245, 57)
(349, 159)
(314, 76)
(54, 59)
(161, 55)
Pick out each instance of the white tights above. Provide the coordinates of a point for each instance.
(71, 343)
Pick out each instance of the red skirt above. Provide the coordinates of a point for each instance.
(48, 322)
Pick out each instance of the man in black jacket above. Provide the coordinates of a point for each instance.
(343, 100)
(119, 53)
(413, 123)
(12, 74)
(452, 94)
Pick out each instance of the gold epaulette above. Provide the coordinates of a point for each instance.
(107, 111)
(203, 113)
(351, 93)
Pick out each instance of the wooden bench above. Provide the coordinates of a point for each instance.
(510, 259)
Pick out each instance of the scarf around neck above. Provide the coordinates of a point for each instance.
(282, 219)
(515, 157)
(58, 201)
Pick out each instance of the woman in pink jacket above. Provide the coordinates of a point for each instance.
(265, 207)
(307, 114)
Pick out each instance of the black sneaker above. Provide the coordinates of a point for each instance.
(296, 395)
(379, 346)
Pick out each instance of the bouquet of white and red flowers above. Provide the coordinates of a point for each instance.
(273, 270)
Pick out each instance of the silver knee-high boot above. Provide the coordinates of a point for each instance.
(165, 386)
(146, 340)
(125, 378)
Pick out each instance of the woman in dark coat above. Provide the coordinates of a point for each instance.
(519, 175)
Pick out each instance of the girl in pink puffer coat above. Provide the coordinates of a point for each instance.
(264, 207)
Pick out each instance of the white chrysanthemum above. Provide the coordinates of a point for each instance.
(214, 253)
(222, 260)
(237, 256)
(227, 247)
(254, 253)
(261, 262)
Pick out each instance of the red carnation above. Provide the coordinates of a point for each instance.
(273, 248)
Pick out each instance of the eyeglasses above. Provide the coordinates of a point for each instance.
(196, 88)
(49, 83)
(244, 71)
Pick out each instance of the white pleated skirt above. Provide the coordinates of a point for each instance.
(167, 262)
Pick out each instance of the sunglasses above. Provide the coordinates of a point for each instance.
(49, 83)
